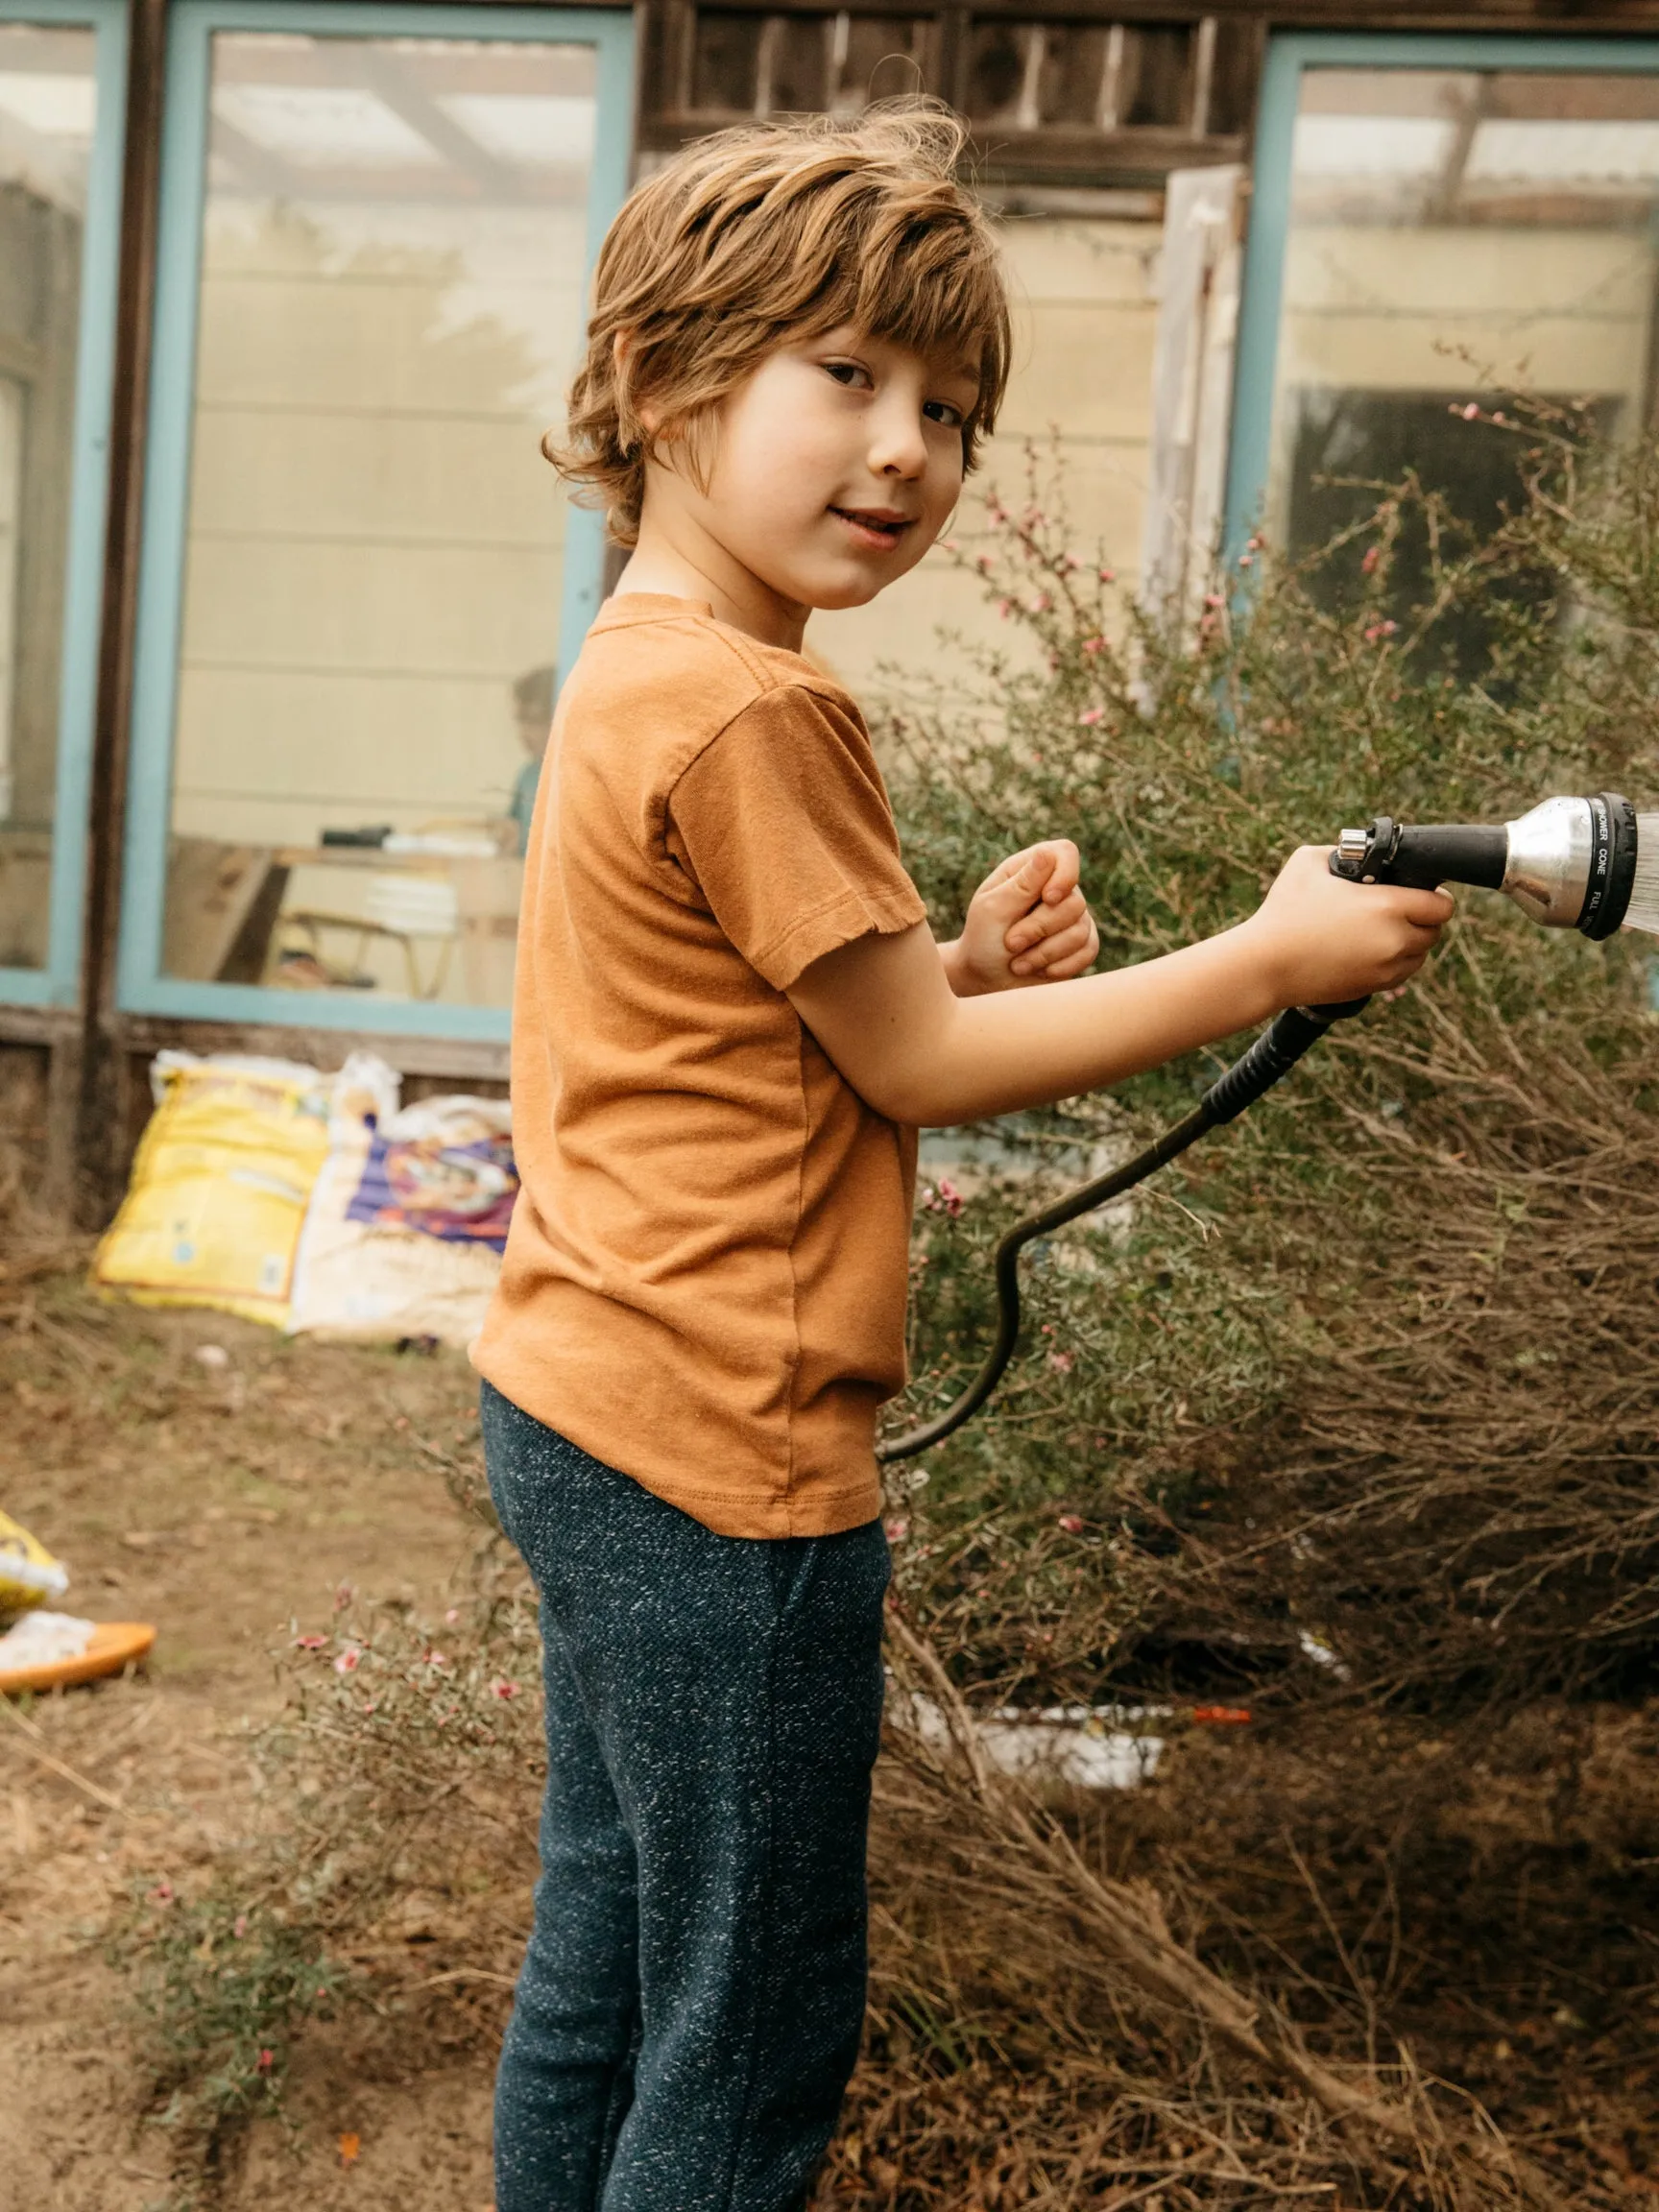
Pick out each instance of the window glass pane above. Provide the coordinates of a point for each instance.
(1085, 323)
(391, 306)
(1455, 234)
(48, 106)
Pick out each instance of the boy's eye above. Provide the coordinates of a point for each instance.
(852, 373)
(942, 411)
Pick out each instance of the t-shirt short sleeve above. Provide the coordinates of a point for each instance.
(783, 822)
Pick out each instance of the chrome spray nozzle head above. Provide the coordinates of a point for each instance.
(1569, 864)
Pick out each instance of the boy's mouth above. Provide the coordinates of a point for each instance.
(879, 527)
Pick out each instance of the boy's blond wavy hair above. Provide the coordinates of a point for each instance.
(768, 234)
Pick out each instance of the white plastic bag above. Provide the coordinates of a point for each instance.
(403, 1234)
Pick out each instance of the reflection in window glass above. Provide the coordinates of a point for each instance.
(47, 109)
(1085, 323)
(1455, 233)
(390, 305)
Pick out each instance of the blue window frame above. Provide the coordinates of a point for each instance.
(263, 100)
(49, 111)
(1260, 371)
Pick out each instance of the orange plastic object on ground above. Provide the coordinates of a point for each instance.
(114, 1645)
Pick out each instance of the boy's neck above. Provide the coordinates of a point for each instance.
(679, 559)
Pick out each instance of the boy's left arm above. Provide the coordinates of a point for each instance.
(1027, 922)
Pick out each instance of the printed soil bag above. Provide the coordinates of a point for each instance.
(409, 1216)
(213, 1213)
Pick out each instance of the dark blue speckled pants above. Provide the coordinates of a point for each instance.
(690, 2002)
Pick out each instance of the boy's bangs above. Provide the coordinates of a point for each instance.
(940, 295)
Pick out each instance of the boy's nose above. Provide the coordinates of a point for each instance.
(896, 445)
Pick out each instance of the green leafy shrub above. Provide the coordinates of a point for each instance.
(1378, 1366)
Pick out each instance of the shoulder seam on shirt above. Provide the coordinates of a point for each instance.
(770, 691)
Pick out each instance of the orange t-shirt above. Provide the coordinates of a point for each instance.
(706, 1275)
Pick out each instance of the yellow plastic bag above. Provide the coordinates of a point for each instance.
(29, 1575)
(224, 1173)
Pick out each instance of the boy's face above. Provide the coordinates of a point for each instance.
(832, 468)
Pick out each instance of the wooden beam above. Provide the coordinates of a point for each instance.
(92, 1085)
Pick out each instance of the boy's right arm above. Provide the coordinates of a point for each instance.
(881, 1009)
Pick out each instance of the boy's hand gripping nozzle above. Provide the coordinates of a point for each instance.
(1585, 864)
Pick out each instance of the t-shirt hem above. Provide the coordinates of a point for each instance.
(767, 1508)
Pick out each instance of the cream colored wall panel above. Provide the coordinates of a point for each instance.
(1457, 272)
(1058, 259)
(407, 611)
(287, 733)
(1088, 370)
(1411, 352)
(389, 346)
(324, 475)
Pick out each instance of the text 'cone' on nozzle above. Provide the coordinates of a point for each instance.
(1585, 864)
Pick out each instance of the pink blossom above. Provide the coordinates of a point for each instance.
(948, 544)
(1108, 575)
(348, 1661)
(343, 1596)
(1073, 1524)
(239, 1926)
(983, 563)
(504, 1690)
(1091, 715)
(433, 1658)
(950, 1197)
(898, 1529)
(452, 1616)
(266, 2060)
(1472, 412)
(164, 1892)
(1062, 1363)
(309, 1643)
(1041, 603)
(1004, 608)
(1214, 599)
(1093, 644)
(1368, 566)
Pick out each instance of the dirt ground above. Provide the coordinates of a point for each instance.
(223, 1482)
(219, 1498)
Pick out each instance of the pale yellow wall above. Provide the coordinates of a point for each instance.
(1085, 322)
(1389, 308)
(376, 543)
(1393, 308)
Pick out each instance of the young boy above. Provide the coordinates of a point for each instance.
(731, 1019)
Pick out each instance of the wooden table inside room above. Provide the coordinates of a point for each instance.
(227, 904)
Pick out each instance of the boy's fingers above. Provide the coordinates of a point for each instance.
(1036, 873)
(1077, 944)
(1068, 868)
(1044, 921)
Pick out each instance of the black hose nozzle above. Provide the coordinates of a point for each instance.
(1569, 864)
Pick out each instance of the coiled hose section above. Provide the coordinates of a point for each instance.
(1251, 1077)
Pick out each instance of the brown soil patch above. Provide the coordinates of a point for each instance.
(218, 1500)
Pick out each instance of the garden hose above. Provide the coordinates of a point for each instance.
(1572, 863)
(1254, 1074)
